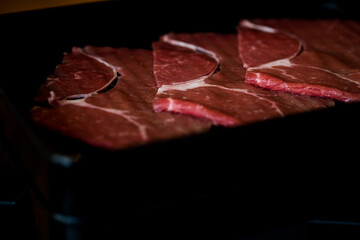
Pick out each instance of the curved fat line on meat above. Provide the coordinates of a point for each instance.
(270, 30)
(248, 24)
(122, 113)
(191, 83)
(114, 69)
(190, 46)
(53, 100)
(286, 62)
(183, 86)
(200, 82)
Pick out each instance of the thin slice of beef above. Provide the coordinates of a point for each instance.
(170, 62)
(80, 75)
(123, 116)
(310, 57)
(219, 94)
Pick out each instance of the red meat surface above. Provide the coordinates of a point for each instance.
(121, 117)
(309, 57)
(220, 93)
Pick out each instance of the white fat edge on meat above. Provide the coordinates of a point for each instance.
(271, 65)
(114, 69)
(190, 46)
(122, 113)
(193, 83)
(261, 28)
(99, 59)
(200, 82)
(267, 29)
(54, 101)
(183, 86)
(79, 99)
(286, 62)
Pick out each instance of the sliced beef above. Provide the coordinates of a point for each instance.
(170, 62)
(80, 75)
(219, 93)
(121, 117)
(310, 57)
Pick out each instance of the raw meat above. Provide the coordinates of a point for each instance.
(121, 117)
(80, 75)
(216, 93)
(173, 60)
(310, 57)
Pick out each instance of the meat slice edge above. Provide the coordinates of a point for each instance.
(80, 75)
(172, 60)
(315, 71)
(258, 45)
(123, 116)
(223, 97)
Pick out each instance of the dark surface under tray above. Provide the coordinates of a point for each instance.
(225, 183)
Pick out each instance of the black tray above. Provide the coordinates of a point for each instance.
(266, 174)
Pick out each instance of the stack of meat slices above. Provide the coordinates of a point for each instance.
(119, 98)
(310, 57)
(119, 118)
